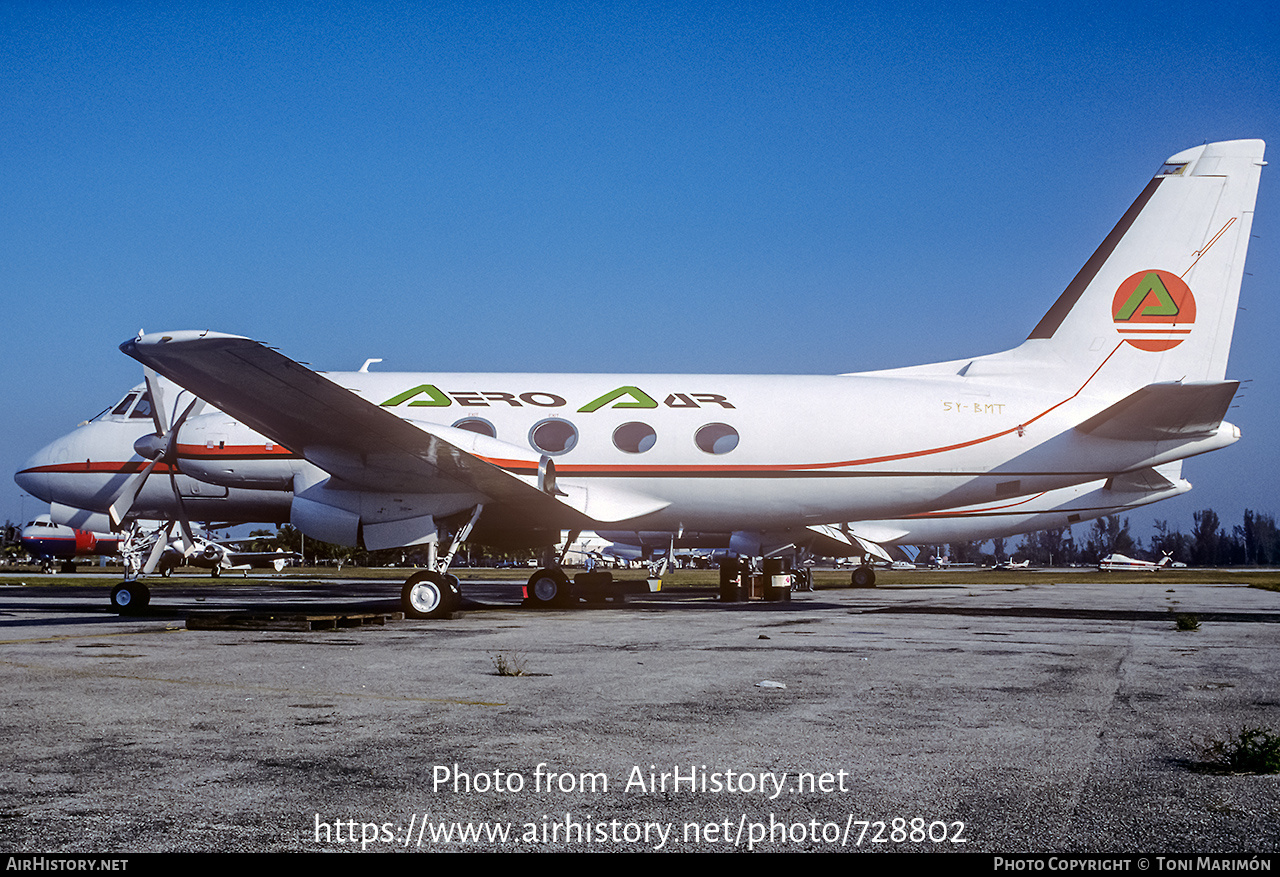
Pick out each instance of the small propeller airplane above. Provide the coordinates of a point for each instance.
(217, 557)
(1123, 378)
(1121, 563)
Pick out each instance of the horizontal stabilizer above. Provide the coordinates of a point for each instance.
(1164, 412)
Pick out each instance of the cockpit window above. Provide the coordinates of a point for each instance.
(137, 403)
(143, 408)
(125, 404)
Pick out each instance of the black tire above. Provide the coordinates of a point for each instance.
(428, 594)
(864, 577)
(130, 597)
(548, 587)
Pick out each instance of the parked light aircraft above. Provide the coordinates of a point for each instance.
(591, 548)
(1123, 375)
(1119, 562)
(218, 557)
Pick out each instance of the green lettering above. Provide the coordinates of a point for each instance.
(435, 399)
(639, 399)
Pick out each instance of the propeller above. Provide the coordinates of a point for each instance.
(160, 447)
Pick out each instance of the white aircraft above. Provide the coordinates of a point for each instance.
(1123, 375)
(1118, 562)
(592, 548)
(219, 557)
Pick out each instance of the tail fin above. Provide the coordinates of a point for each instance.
(1157, 301)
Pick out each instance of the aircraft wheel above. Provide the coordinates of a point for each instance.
(128, 597)
(216, 571)
(428, 594)
(864, 577)
(548, 587)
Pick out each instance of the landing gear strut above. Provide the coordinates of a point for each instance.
(434, 593)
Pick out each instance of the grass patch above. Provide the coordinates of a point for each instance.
(509, 665)
(1253, 750)
(1186, 621)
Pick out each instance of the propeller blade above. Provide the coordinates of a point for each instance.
(157, 550)
(128, 494)
(183, 522)
(156, 393)
(124, 499)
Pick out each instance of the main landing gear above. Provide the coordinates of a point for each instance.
(864, 577)
(430, 594)
(434, 593)
(549, 587)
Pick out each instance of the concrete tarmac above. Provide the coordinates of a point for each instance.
(1050, 716)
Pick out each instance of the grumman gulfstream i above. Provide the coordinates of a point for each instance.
(1123, 377)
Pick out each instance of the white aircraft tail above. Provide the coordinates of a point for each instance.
(1157, 301)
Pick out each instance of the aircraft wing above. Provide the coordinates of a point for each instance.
(356, 441)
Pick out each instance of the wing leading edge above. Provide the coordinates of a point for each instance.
(362, 446)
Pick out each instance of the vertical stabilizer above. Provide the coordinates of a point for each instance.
(1157, 301)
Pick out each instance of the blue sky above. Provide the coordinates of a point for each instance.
(747, 187)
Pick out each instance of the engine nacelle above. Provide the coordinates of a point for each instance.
(219, 450)
(385, 519)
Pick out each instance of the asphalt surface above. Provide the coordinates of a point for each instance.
(1040, 717)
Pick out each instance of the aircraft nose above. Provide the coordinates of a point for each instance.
(33, 477)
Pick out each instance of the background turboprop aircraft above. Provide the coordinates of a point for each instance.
(1124, 374)
(48, 541)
